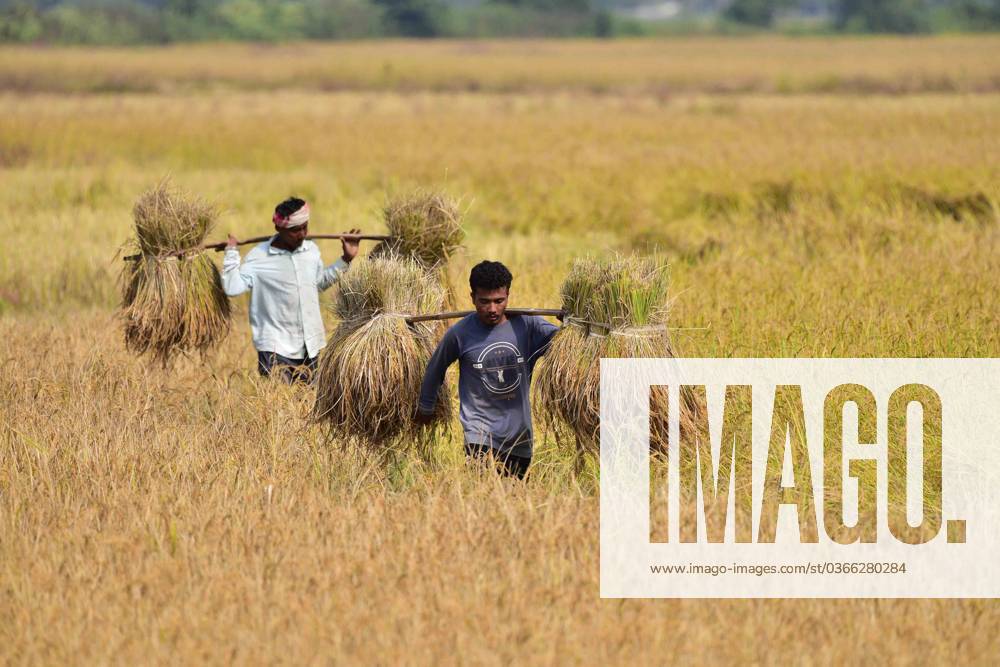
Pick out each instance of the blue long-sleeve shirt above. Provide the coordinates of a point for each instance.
(495, 367)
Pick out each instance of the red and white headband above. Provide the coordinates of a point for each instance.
(297, 219)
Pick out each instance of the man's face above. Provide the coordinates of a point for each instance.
(293, 238)
(490, 305)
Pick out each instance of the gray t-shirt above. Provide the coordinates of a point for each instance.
(494, 378)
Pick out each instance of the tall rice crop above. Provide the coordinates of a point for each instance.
(616, 308)
(172, 297)
(370, 373)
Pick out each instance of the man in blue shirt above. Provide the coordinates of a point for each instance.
(286, 275)
(496, 356)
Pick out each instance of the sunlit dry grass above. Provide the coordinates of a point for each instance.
(195, 514)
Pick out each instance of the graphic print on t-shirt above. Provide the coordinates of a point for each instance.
(499, 366)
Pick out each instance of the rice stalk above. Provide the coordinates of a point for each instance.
(628, 295)
(369, 375)
(425, 226)
(172, 299)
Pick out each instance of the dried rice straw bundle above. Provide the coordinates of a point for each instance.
(424, 226)
(370, 373)
(616, 308)
(172, 298)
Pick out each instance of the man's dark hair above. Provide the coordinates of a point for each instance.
(489, 275)
(289, 206)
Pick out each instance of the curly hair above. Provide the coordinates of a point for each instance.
(289, 206)
(489, 275)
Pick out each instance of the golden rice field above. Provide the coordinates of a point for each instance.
(813, 197)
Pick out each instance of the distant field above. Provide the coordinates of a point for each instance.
(864, 65)
(193, 514)
(858, 203)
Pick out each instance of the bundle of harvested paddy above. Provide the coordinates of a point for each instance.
(172, 298)
(370, 373)
(424, 226)
(615, 309)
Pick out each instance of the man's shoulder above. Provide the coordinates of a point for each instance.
(529, 321)
(259, 251)
(463, 325)
(539, 322)
(460, 329)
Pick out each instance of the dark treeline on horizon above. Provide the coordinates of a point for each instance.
(167, 21)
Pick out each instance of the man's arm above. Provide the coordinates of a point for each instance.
(445, 354)
(542, 333)
(236, 279)
(327, 276)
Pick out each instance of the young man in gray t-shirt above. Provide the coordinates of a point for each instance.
(496, 356)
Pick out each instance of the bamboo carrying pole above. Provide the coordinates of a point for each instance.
(455, 314)
(220, 246)
(552, 312)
